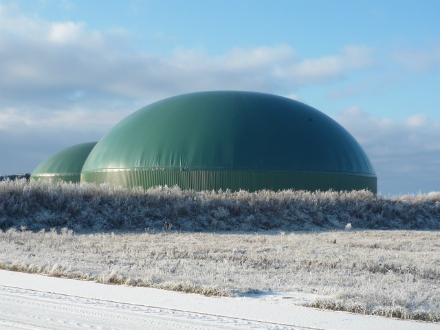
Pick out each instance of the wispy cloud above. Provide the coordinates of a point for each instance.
(419, 60)
(327, 68)
(77, 119)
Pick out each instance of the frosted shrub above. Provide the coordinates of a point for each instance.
(40, 205)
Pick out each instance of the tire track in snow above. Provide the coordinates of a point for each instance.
(28, 309)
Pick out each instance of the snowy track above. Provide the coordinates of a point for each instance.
(25, 309)
(39, 302)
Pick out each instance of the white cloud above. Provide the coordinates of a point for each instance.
(358, 57)
(54, 58)
(64, 32)
(406, 154)
(258, 57)
(417, 121)
(76, 120)
(419, 60)
(417, 134)
(332, 67)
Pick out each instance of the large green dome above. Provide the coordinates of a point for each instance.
(230, 139)
(64, 165)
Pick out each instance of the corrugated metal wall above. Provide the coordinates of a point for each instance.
(234, 180)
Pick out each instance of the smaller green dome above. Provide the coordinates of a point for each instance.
(65, 165)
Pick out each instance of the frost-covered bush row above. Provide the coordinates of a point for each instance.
(4, 177)
(390, 273)
(43, 204)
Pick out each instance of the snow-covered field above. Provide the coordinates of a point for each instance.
(391, 273)
(29, 301)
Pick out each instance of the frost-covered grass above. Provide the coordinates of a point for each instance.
(87, 207)
(223, 243)
(391, 273)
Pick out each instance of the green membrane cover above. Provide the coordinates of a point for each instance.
(229, 134)
(64, 165)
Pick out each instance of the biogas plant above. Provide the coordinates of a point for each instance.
(220, 140)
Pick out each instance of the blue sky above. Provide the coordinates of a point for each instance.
(76, 68)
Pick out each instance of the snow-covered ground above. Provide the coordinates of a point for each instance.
(392, 273)
(30, 301)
